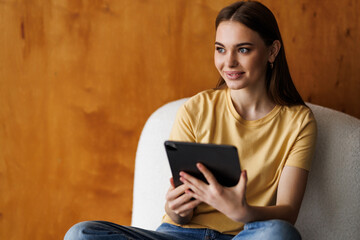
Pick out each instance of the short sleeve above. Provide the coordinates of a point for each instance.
(303, 149)
(184, 126)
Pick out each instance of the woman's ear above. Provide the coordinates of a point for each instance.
(274, 50)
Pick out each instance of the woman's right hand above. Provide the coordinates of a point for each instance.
(180, 206)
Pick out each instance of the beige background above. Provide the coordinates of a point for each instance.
(79, 78)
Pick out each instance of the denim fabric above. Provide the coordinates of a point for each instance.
(100, 230)
(269, 230)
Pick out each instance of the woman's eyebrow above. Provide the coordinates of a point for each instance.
(237, 45)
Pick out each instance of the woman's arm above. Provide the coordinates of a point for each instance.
(232, 201)
(290, 194)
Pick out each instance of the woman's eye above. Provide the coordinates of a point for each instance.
(220, 50)
(244, 50)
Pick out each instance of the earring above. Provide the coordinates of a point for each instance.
(271, 65)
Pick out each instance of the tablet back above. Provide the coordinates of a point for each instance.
(221, 160)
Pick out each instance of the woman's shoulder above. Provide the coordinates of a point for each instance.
(209, 95)
(298, 112)
(206, 98)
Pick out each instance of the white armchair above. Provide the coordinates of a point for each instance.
(331, 206)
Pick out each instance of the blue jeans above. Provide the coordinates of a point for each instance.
(99, 230)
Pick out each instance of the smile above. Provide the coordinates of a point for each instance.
(233, 75)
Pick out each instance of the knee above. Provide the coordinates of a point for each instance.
(76, 232)
(282, 230)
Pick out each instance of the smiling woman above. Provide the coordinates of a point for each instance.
(257, 109)
(258, 31)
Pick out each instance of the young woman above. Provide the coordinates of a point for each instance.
(256, 108)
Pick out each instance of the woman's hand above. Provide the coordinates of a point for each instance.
(180, 206)
(231, 201)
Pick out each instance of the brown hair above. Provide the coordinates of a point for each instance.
(260, 19)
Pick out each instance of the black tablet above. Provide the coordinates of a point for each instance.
(221, 160)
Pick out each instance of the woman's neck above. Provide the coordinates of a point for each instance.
(251, 105)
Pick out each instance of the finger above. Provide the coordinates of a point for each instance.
(172, 182)
(195, 195)
(243, 181)
(174, 193)
(207, 174)
(171, 188)
(193, 183)
(177, 203)
(192, 179)
(190, 186)
(188, 206)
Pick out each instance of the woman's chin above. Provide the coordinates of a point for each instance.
(235, 86)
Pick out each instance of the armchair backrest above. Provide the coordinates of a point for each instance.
(152, 171)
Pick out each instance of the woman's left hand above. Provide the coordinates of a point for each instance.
(231, 201)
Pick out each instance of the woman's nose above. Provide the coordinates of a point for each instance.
(231, 60)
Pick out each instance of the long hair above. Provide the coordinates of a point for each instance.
(257, 17)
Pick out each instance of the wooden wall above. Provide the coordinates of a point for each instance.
(79, 78)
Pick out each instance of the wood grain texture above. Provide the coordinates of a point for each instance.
(78, 79)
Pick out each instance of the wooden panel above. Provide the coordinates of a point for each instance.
(322, 44)
(78, 80)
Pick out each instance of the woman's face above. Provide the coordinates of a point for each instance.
(241, 56)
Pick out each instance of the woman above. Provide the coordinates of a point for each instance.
(256, 108)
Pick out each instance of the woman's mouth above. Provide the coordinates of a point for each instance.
(233, 75)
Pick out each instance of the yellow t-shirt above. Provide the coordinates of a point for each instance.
(285, 136)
